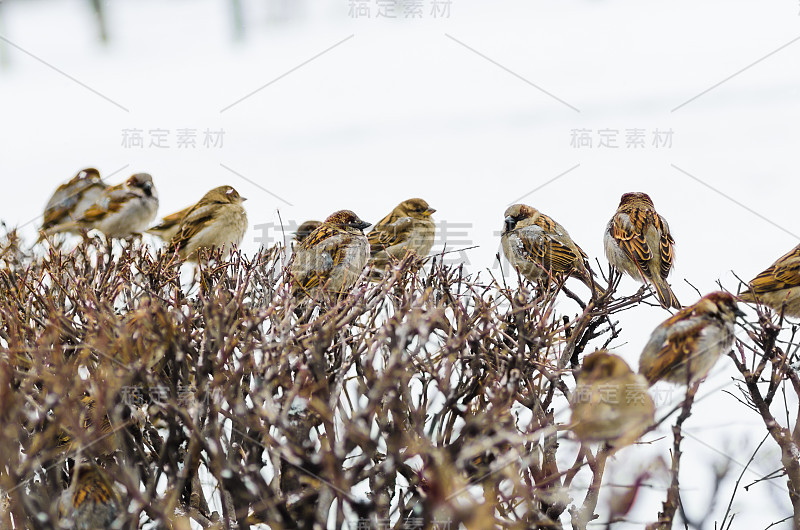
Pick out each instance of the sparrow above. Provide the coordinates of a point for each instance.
(779, 285)
(121, 211)
(91, 501)
(638, 242)
(685, 347)
(408, 228)
(304, 229)
(332, 256)
(540, 247)
(610, 402)
(217, 220)
(72, 198)
(64, 439)
(169, 225)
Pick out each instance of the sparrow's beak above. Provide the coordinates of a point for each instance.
(242, 198)
(739, 313)
(430, 211)
(361, 225)
(510, 224)
(148, 188)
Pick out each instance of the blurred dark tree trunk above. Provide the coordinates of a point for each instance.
(238, 19)
(100, 14)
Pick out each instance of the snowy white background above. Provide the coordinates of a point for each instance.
(402, 108)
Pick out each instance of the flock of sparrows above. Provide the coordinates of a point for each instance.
(330, 256)
(86, 202)
(610, 402)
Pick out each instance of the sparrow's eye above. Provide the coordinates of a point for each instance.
(510, 223)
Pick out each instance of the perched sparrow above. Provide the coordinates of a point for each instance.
(71, 199)
(91, 501)
(409, 228)
(304, 229)
(169, 225)
(217, 220)
(779, 285)
(65, 442)
(685, 347)
(121, 211)
(638, 243)
(610, 402)
(332, 256)
(540, 247)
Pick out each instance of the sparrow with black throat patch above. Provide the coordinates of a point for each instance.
(331, 257)
(540, 248)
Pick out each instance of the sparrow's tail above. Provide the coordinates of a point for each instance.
(588, 280)
(70, 227)
(665, 294)
(158, 232)
(585, 274)
(747, 296)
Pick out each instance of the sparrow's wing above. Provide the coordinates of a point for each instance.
(560, 234)
(53, 216)
(318, 275)
(113, 199)
(665, 246)
(65, 198)
(583, 255)
(100, 210)
(93, 487)
(170, 220)
(540, 247)
(389, 219)
(783, 274)
(674, 344)
(196, 219)
(62, 201)
(63, 439)
(628, 229)
(388, 235)
(321, 250)
(318, 236)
